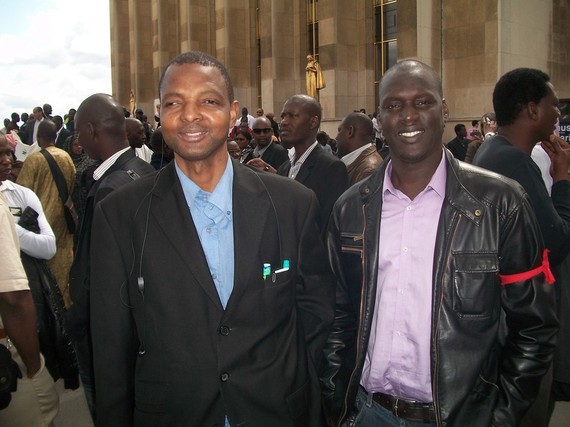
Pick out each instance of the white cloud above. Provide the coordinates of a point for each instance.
(56, 52)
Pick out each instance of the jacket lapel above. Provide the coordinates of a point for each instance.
(172, 214)
(251, 205)
(308, 164)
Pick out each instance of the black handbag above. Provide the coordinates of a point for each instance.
(68, 209)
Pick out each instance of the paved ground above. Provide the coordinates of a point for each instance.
(73, 410)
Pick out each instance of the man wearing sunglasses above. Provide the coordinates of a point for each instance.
(265, 148)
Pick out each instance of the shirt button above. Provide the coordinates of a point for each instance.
(405, 249)
(225, 377)
(224, 330)
(408, 208)
(208, 230)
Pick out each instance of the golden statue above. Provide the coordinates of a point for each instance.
(314, 75)
(132, 103)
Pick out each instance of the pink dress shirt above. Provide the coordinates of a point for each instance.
(398, 357)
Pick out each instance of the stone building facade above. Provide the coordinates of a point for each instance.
(264, 44)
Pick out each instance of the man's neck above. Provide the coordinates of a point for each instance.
(204, 173)
(302, 147)
(411, 179)
(45, 145)
(519, 137)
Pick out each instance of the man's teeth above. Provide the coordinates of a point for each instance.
(410, 134)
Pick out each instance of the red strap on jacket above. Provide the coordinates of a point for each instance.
(507, 279)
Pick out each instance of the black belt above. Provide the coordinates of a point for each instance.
(410, 410)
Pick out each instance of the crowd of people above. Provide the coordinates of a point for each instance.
(273, 275)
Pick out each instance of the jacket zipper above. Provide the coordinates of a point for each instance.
(359, 333)
(436, 334)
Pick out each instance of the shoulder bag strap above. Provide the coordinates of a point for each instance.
(57, 175)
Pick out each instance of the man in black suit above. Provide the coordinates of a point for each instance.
(311, 165)
(265, 148)
(62, 132)
(100, 124)
(211, 295)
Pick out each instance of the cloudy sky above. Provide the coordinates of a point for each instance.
(55, 52)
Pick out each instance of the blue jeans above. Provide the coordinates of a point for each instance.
(84, 353)
(371, 414)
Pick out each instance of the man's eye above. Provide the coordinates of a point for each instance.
(423, 103)
(211, 102)
(392, 107)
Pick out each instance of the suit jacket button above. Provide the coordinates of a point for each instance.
(224, 330)
(225, 377)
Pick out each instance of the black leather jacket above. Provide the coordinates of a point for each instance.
(490, 343)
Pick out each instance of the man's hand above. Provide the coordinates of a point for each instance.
(559, 152)
(261, 165)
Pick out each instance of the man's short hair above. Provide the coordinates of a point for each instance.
(47, 129)
(458, 128)
(515, 90)
(410, 66)
(201, 58)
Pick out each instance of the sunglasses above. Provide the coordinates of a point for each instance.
(259, 131)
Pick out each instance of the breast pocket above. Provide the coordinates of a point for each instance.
(475, 284)
(351, 243)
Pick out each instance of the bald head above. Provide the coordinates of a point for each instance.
(412, 68)
(355, 131)
(308, 103)
(100, 124)
(47, 133)
(300, 121)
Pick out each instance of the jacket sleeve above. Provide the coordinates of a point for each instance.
(552, 212)
(315, 292)
(529, 308)
(339, 348)
(114, 346)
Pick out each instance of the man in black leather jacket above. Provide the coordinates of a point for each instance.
(478, 354)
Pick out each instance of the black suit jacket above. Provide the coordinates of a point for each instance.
(275, 155)
(77, 316)
(63, 135)
(253, 362)
(326, 175)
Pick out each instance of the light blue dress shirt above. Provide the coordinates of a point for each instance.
(213, 218)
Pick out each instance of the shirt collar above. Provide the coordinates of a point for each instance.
(259, 151)
(304, 156)
(353, 155)
(7, 185)
(222, 194)
(436, 183)
(103, 167)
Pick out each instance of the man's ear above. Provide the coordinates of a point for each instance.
(351, 131)
(445, 109)
(532, 110)
(90, 130)
(234, 112)
(315, 122)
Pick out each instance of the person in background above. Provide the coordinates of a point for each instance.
(356, 147)
(526, 107)
(35, 402)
